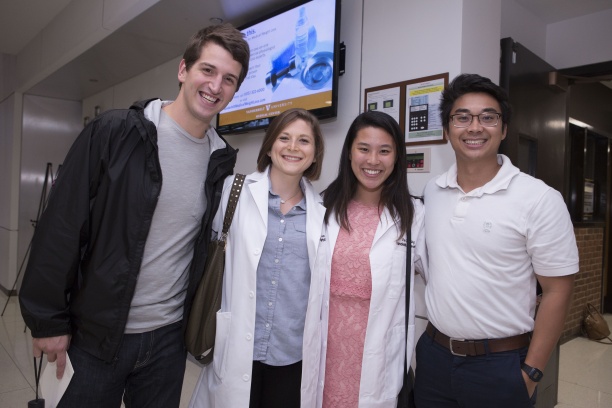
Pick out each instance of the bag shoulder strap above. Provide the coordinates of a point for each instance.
(408, 270)
(409, 264)
(232, 202)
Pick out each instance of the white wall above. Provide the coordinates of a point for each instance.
(9, 200)
(480, 35)
(570, 43)
(580, 41)
(159, 82)
(7, 75)
(50, 126)
(524, 27)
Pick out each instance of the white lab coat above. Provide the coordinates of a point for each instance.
(385, 339)
(226, 382)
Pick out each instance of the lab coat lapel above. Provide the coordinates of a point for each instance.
(385, 222)
(314, 220)
(259, 188)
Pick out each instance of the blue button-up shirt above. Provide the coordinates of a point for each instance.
(283, 285)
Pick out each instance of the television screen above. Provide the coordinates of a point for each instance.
(294, 63)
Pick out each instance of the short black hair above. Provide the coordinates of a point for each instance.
(473, 83)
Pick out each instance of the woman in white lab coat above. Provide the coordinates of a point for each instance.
(274, 278)
(369, 213)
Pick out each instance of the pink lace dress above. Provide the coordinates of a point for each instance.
(349, 305)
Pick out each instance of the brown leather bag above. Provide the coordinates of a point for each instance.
(202, 323)
(594, 325)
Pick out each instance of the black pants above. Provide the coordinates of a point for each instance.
(276, 387)
(493, 380)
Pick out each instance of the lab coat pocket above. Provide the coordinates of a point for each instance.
(394, 362)
(222, 340)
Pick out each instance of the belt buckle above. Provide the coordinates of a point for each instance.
(450, 347)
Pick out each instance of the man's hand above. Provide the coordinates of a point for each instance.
(55, 349)
(531, 386)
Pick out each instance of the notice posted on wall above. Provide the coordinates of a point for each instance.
(423, 123)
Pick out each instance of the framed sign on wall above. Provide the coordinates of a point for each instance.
(414, 104)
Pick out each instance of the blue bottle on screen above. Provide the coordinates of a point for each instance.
(289, 62)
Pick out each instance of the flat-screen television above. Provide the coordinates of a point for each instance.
(294, 63)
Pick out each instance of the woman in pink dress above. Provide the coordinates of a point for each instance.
(369, 214)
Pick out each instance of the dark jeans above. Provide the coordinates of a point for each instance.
(443, 380)
(148, 372)
(276, 387)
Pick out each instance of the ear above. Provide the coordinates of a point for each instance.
(182, 71)
(504, 132)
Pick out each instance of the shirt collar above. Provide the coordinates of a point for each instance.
(301, 203)
(501, 181)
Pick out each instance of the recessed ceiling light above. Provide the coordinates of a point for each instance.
(216, 20)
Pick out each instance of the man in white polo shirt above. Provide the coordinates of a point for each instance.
(492, 232)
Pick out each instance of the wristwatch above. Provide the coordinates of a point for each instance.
(533, 373)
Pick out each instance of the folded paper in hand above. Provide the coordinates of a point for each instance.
(52, 389)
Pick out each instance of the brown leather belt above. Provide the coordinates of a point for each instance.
(461, 347)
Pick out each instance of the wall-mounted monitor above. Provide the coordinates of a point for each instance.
(294, 63)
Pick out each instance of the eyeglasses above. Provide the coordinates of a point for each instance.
(463, 120)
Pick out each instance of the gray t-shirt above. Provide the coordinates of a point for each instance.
(162, 282)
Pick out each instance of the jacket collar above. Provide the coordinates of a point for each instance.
(501, 181)
(152, 111)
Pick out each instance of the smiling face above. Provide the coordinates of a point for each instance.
(372, 158)
(208, 86)
(293, 150)
(476, 143)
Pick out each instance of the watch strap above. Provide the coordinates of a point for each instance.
(533, 373)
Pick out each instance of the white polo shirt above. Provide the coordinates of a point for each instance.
(484, 247)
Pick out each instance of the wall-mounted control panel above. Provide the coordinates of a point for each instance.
(418, 159)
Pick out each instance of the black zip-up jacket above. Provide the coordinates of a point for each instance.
(88, 245)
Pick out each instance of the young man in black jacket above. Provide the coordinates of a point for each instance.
(122, 243)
